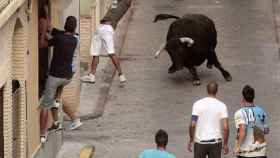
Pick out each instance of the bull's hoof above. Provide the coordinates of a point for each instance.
(229, 78)
(209, 66)
(173, 69)
(196, 82)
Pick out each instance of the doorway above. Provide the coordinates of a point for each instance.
(44, 52)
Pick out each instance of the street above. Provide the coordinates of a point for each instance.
(154, 99)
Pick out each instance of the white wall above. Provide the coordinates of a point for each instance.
(72, 9)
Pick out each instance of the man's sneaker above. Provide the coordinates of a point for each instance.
(75, 124)
(43, 139)
(90, 78)
(56, 126)
(57, 104)
(122, 78)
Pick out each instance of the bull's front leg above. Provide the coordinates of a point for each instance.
(196, 80)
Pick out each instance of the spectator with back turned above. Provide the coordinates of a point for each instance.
(209, 129)
(252, 125)
(161, 139)
(61, 71)
(103, 38)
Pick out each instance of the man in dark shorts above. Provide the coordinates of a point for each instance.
(209, 129)
(64, 45)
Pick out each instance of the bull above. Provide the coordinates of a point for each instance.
(191, 40)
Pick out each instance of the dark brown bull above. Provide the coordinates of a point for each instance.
(191, 40)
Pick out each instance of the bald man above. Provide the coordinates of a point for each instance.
(209, 130)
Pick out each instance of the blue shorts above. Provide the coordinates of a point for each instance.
(49, 94)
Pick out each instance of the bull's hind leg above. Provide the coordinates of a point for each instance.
(218, 65)
(211, 59)
(196, 80)
(225, 73)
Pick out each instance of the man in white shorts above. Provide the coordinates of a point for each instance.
(103, 38)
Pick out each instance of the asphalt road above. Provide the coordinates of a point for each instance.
(154, 99)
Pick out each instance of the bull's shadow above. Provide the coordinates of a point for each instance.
(191, 40)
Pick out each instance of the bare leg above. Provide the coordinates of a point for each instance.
(59, 93)
(58, 97)
(44, 113)
(95, 61)
(68, 110)
(116, 63)
(196, 80)
(54, 114)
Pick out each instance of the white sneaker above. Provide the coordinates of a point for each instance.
(43, 139)
(75, 124)
(57, 104)
(90, 78)
(122, 78)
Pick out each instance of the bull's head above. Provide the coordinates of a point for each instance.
(183, 40)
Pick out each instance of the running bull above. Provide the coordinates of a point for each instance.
(191, 40)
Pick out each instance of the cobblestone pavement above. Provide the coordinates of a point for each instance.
(154, 99)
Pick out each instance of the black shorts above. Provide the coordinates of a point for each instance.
(210, 150)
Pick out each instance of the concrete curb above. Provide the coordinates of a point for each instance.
(109, 71)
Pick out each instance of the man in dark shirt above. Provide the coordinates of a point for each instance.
(64, 45)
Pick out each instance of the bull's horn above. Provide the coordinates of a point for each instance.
(187, 40)
(161, 48)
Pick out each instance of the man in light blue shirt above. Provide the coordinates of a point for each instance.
(161, 139)
(252, 125)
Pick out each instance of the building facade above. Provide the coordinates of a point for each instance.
(19, 102)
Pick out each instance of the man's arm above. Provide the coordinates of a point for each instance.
(51, 41)
(225, 135)
(192, 131)
(43, 31)
(241, 136)
(56, 31)
(266, 126)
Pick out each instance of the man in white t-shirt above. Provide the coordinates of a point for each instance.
(252, 125)
(103, 37)
(209, 129)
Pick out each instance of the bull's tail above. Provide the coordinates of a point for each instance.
(165, 16)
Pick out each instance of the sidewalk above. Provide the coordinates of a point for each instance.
(154, 99)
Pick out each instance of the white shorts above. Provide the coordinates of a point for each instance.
(98, 42)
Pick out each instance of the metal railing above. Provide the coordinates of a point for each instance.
(8, 8)
(4, 4)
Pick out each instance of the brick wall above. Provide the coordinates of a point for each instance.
(15, 50)
(85, 31)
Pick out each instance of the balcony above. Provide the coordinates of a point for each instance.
(7, 9)
(3, 4)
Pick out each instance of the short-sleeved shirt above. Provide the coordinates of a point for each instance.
(254, 117)
(103, 37)
(210, 112)
(154, 153)
(63, 51)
